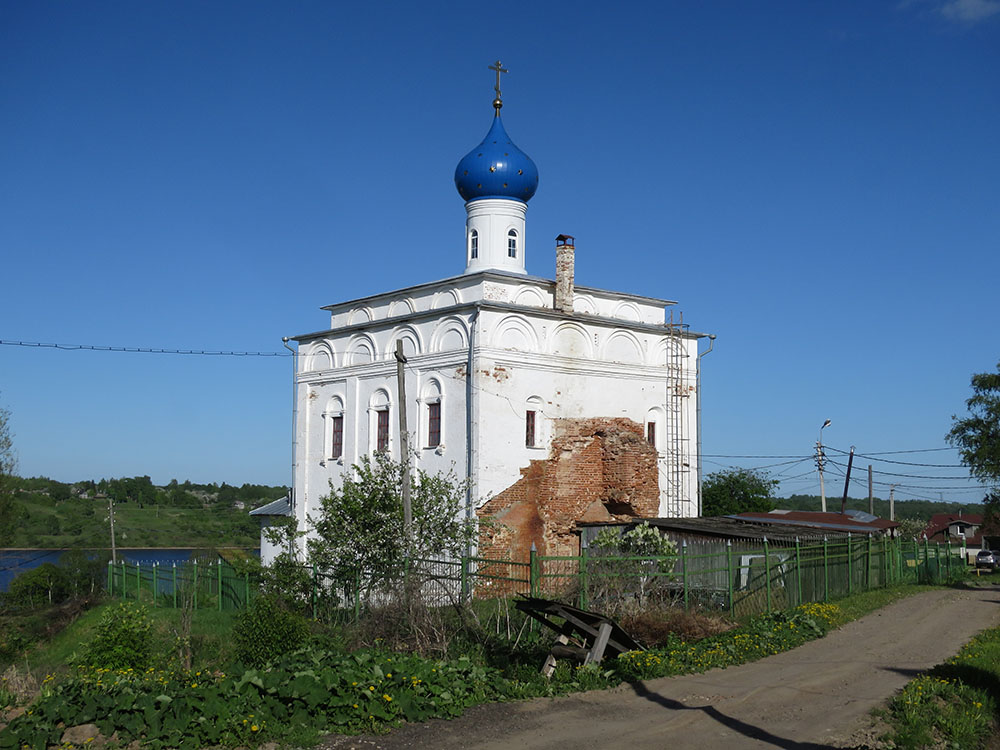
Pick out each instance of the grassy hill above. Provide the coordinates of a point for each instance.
(54, 514)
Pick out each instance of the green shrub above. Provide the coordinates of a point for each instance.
(46, 584)
(266, 630)
(123, 639)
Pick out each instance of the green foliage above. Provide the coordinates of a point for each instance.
(360, 524)
(9, 509)
(737, 490)
(123, 639)
(46, 584)
(977, 436)
(266, 630)
(954, 704)
(641, 541)
(760, 636)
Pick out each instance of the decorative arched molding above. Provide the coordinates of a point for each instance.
(380, 398)
(431, 415)
(571, 340)
(622, 346)
(663, 349)
(360, 350)
(333, 429)
(584, 304)
(514, 332)
(627, 311)
(412, 345)
(360, 315)
(446, 298)
(529, 297)
(400, 307)
(320, 357)
(449, 334)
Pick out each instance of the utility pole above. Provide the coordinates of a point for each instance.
(111, 517)
(847, 482)
(871, 497)
(819, 465)
(404, 443)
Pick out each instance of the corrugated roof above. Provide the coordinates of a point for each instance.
(725, 527)
(819, 520)
(279, 507)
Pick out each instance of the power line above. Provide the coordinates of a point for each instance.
(141, 350)
(872, 457)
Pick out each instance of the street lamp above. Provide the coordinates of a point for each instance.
(819, 465)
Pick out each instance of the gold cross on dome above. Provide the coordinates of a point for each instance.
(498, 67)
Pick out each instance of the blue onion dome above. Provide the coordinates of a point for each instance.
(496, 168)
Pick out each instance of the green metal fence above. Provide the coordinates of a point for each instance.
(738, 578)
(210, 584)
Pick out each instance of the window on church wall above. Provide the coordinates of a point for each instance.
(474, 244)
(529, 429)
(651, 433)
(337, 438)
(382, 430)
(434, 424)
(512, 243)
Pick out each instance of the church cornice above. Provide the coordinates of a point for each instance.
(537, 312)
(467, 280)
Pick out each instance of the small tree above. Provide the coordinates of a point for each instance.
(623, 563)
(977, 437)
(8, 466)
(737, 490)
(360, 523)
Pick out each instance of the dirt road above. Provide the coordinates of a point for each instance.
(817, 696)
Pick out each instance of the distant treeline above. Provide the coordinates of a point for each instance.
(917, 509)
(142, 491)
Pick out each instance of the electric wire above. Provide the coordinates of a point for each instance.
(140, 349)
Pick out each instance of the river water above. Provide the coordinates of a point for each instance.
(13, 562)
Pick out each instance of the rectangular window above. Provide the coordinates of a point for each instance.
(337, 440)
(382, 442)
(434, 425)
(651, 433)
(529, 429)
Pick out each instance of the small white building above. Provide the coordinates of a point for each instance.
(496, 360)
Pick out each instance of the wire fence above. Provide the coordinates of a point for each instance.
(736, 578)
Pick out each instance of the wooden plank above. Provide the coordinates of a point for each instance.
(597, 652)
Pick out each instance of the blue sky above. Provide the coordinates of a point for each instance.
(814, 182)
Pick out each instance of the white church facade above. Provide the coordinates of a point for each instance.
(497, 361)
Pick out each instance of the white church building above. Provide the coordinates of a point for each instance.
(498, 362)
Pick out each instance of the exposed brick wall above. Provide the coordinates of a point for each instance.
(599, 469)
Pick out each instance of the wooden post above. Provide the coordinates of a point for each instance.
(218, 565)
(684, 571)
(871, 496)
(826, 571)
(404, 444)
(850, 571)
(798, 567)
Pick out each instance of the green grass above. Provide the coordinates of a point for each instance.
(955, 705)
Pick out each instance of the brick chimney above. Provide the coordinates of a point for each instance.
(565, 251)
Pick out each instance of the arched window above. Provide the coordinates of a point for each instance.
(334, 431)
(474, 244)
(512, 243)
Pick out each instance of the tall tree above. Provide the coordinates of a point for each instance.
(977, 438)
(8, 466)
(737, 490)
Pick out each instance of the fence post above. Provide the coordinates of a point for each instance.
(949, 558)
(583, 573)
(246, 589)
(899, 558)
(826, 571)
(465, 579)
(927, 560)
(729, 569)
(684, 571)
(196, 583)
(533, 570)
(850, 566)
(885, 563)
(155, 581)
(798, 569)
(767, 575)
(218, 571)
(111, 580)
(175, 584)
(124, 580)
(868, 566)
